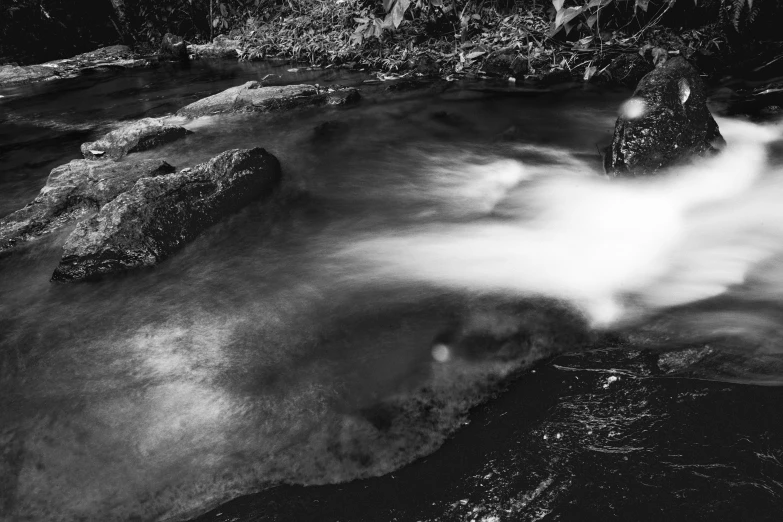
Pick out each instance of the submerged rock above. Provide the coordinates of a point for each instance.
(137, 136)
(254, 97)
(665, 122)
(160, 214)
(72, 191)
(174, 47)
(328, 131)
(520, 331)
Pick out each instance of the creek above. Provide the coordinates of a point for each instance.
(296, 342)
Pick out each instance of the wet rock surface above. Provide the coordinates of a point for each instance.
(665, 122)
(255, 97)
(16, 74)
(601, 435)
(134, 137)
(221, 47)
(71, 192)
(160, 214)
(115, 56)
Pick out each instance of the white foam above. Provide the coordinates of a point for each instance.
(570, 234)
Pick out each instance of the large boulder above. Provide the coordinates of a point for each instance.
(664, 123)
(73, 191)
(254, 97)
(137, 136)
(160, 214)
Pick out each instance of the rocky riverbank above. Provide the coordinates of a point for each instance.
(105, 58)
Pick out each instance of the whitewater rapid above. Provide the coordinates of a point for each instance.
(615, 248)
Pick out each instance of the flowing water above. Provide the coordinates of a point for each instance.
(312, 340)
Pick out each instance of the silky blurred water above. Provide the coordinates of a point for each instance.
(292, 342)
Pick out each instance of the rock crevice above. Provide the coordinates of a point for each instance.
(72, 191)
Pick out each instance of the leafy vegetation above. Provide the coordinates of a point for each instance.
(456, 37)
(446, 37)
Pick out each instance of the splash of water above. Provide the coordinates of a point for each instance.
(615, 248)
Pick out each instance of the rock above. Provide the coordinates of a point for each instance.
(174, 47)
(160, 214)
(14, 74)
(254, 97)
(137, 136)
(627, 69)
(72, 191)
(506, 63)
(328, 131)
(115, 56)
(526, 331)
(112, 53)
(665, 122)
(220, 47)
(342, 96)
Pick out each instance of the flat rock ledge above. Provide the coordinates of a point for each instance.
(665, 123)
(115, 56)
(140, 135)
(255, 97)
(220, 47)
(160, 214)
(72, 192)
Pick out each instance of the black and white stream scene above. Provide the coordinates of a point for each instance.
(391, 260)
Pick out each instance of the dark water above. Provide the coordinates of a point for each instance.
(294, 343)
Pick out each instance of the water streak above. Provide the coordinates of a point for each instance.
(616, 248)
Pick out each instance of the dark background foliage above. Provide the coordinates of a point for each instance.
(38, 30)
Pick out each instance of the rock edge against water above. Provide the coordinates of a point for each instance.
(114, 56)
(220, 47)
(665, 122)
(160, 214)
(137, 136)
(255, 97)
(73, 191)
